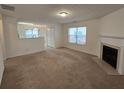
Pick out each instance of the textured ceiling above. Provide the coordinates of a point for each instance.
(48, 12)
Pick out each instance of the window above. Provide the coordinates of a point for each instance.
(77, 35)
(28, 30)
(31, 33)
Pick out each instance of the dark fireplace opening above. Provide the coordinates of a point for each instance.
(109, 55)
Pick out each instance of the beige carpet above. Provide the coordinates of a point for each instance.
(57, 68)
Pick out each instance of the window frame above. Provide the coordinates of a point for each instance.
(28, 28)
(76, 35)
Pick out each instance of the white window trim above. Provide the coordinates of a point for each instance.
(76, 41)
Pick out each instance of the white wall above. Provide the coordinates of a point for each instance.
(113, 24)
(109, 25)
(2, 38)
(58, 35)
(92, 37)
(1, 63)
(16, 46)
(1, 50)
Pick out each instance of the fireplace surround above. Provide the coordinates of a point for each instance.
(116, 46)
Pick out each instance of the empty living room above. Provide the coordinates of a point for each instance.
(61, 46)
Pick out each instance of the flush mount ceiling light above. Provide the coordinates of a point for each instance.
(63, 14)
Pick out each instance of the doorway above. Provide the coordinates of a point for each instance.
(50, 38)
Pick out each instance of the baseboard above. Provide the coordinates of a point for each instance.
(25, 54)
(81, 51)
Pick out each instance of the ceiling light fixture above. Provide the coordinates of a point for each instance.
(63, 14)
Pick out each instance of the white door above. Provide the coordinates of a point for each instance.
(50, 37)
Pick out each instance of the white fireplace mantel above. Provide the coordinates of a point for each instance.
(116, 42)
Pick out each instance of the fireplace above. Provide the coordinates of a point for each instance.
(109, 55)
(112, 52)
